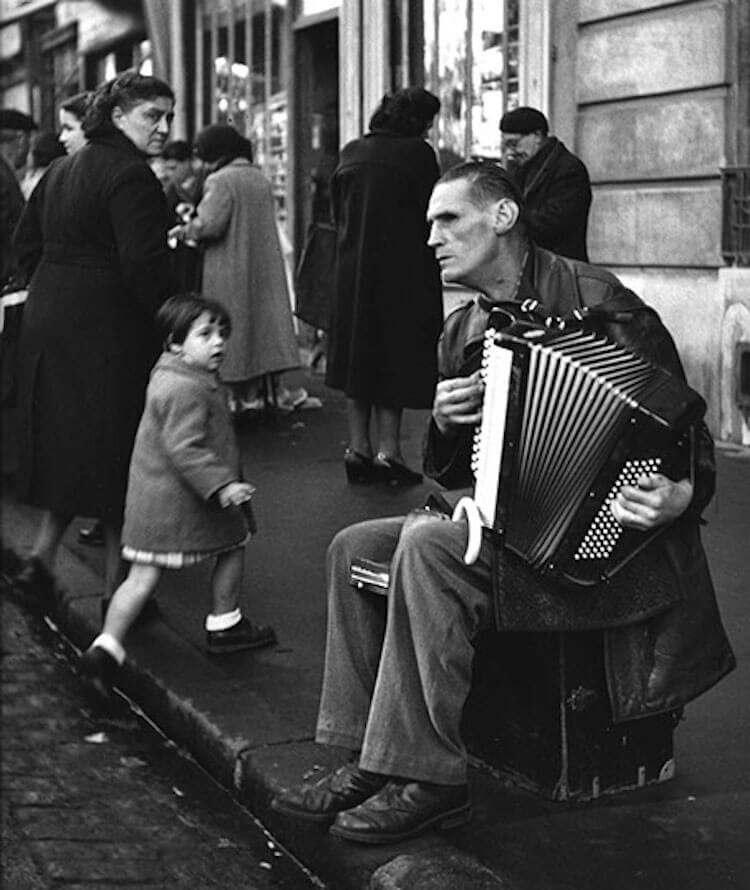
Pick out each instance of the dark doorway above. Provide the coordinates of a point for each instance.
(317, 123)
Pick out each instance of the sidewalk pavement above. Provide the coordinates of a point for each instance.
(249, 718)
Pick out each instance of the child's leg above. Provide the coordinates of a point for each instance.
(226, 629)
(129, 598)
(99, 663)
(114, 566)
(226, 581)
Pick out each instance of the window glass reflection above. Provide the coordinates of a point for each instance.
(244, 53)
(471, 62)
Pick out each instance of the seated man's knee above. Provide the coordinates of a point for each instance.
(431, 538)
(373, 539)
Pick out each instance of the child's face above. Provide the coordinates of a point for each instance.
(204, 345)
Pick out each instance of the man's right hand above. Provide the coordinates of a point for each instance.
(458, 403)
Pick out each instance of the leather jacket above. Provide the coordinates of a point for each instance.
(660, 663)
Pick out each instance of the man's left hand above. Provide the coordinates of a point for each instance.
(654, 501)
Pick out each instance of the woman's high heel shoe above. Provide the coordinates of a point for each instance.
(360, 469)
(394, 473)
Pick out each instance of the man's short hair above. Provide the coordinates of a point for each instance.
(524, 120)
(488, 179)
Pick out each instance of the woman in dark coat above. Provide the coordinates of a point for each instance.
(93, 239)
(388, 309)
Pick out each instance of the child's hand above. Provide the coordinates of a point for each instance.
(235, 494)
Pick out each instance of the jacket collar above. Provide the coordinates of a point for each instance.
(168, 361)
(532, 170)
(114, 138)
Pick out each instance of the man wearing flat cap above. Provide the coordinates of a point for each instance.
(15, 133)
(554, 182)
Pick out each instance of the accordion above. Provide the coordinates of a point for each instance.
(568, 419)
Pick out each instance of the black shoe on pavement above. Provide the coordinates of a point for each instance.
(403, 809)
(391, 472)
(99, 670)
(360, 469)
(38, 586)
(243, 635)
(93, 536)
(337, 791)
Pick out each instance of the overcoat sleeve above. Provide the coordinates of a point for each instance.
(139, 221)
(184, 414)
(214, 211)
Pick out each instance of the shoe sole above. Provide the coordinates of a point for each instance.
(441, 821)
(320, 818)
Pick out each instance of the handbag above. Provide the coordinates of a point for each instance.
(315, 279)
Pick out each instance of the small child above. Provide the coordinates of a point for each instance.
(185, 501)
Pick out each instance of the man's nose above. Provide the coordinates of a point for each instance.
(434, 238)
(164, 125)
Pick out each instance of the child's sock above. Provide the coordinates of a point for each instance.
(223, 621)
(112, 646)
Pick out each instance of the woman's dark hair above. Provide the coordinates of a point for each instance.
(178, 314)
(125, 92)
(407, 112)
(79, 104)
(220, 142)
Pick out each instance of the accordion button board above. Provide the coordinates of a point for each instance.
(568, 419)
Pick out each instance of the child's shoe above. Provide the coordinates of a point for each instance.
(99, 670)
(243, 635)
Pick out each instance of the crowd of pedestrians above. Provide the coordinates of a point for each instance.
(141, 255)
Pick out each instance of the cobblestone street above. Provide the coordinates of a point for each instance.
(101, 803)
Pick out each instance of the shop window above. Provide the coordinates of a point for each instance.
(134, 52)
(243, 52)
(471, 63)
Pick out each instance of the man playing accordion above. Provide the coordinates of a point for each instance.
(399, 661)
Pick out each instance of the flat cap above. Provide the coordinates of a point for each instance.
(524, 120)
(10, 119)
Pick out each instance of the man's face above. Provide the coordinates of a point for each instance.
(462, 232)
(517, 148)
(146, 124)
(177, 171)
(14, 145)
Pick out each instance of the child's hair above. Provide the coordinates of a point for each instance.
(177, 315)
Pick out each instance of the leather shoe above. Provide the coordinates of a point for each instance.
(394, 473)
(93, 536)
(238, 637)
(360, 469)
(98, 672)
(403, 809)
(337, 791)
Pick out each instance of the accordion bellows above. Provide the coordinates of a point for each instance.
(568, 419)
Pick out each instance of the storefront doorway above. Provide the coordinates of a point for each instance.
(316, 71)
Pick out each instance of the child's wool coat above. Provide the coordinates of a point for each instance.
(185, 452)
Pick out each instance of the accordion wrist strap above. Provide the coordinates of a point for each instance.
(467, 507)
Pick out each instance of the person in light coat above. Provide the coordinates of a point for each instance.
(243, 263)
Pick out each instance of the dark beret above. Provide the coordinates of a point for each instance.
(524, 120)
(10, 119)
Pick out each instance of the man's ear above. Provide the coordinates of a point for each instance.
(506, 215)
(171, 346)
